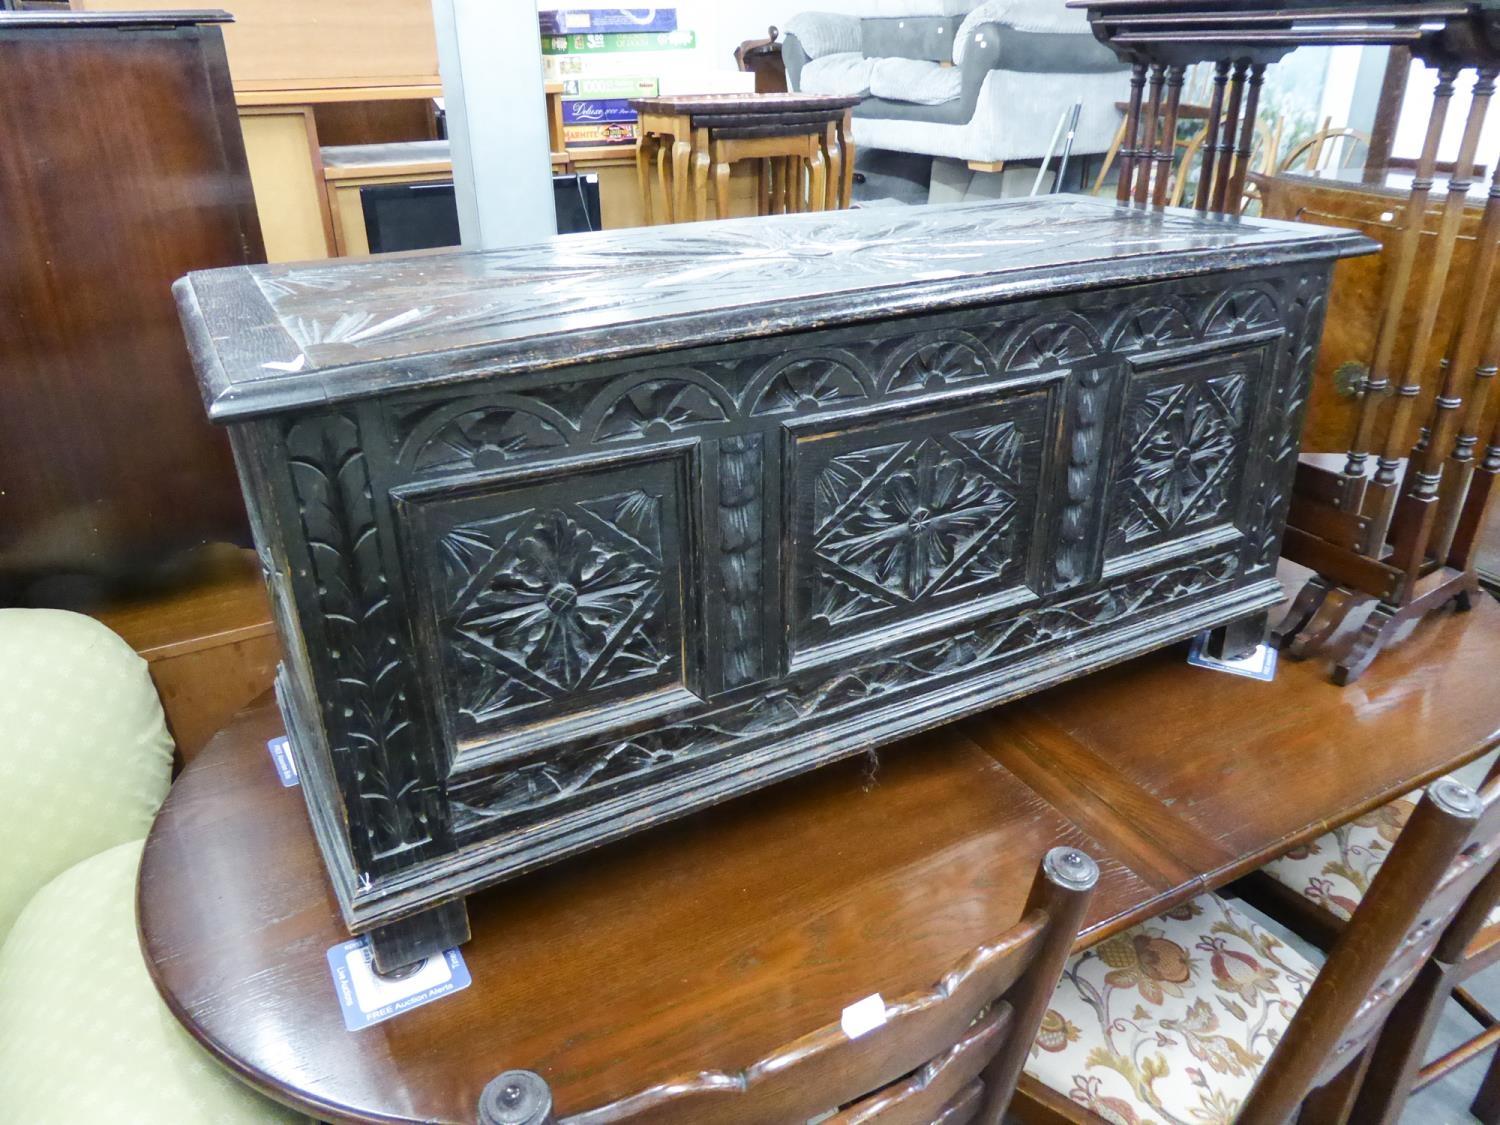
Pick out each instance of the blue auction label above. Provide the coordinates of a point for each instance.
(366, 998)
(286, 768)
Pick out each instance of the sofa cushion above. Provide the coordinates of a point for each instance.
(825, 33)
(910, 37)
(912, 80)
(84, 1036)
(85, 758)
(1034, 36)
(845, 73)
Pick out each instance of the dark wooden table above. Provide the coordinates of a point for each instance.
(707, 943)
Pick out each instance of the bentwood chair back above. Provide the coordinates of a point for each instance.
(1446, 849)
(951, 1053)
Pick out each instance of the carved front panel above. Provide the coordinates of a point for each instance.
(898, 517)
(552, 600)
(1184, 436)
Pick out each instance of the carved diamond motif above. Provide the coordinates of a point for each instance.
(896, 524)
(553, 602)
(1182, 440)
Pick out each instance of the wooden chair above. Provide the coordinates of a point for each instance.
(950, 1053)
(1223, 971)
(1312, 891)
(1314, 153)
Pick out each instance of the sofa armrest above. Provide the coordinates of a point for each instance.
(83, 748)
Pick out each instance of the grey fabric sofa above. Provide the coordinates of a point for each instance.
(984, 82)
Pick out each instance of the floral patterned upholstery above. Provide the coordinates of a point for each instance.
(1335, 870)
(1171, 1021)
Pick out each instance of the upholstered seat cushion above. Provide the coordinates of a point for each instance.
(847, 72)
(83, 1034)
(1335, 870)
(1171, 1020)
(915, 80)
(85, 758)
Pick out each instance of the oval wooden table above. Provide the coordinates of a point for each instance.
(708, 943)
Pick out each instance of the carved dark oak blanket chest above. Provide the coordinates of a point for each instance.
(570, 539)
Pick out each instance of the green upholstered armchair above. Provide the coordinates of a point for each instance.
(85, 759)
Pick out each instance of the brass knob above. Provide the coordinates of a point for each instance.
(1349, 378)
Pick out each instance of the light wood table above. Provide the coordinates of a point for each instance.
(706, 943)
(691, 139)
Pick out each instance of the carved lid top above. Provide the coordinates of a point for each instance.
(269, 338)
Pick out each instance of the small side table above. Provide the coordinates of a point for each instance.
(693, 138)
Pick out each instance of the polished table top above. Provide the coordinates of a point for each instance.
(707, 943)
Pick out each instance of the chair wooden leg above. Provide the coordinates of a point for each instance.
(1109, 157)
(1333, 1103)
(1486, 1103)
(763, 187)
(792, 173)
(1397, 1054)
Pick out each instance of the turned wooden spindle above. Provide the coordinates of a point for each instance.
(1472, 520)
(1247, 140)
(1459, 471)
(1384, 489)
(1166, 149)
(1227, 137)
(1395, 289)
(1146, 153)
(1211, 136)
(1132, 127)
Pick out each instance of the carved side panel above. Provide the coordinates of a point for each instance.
(383, 753)
(901, 516)
(1288, 404)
